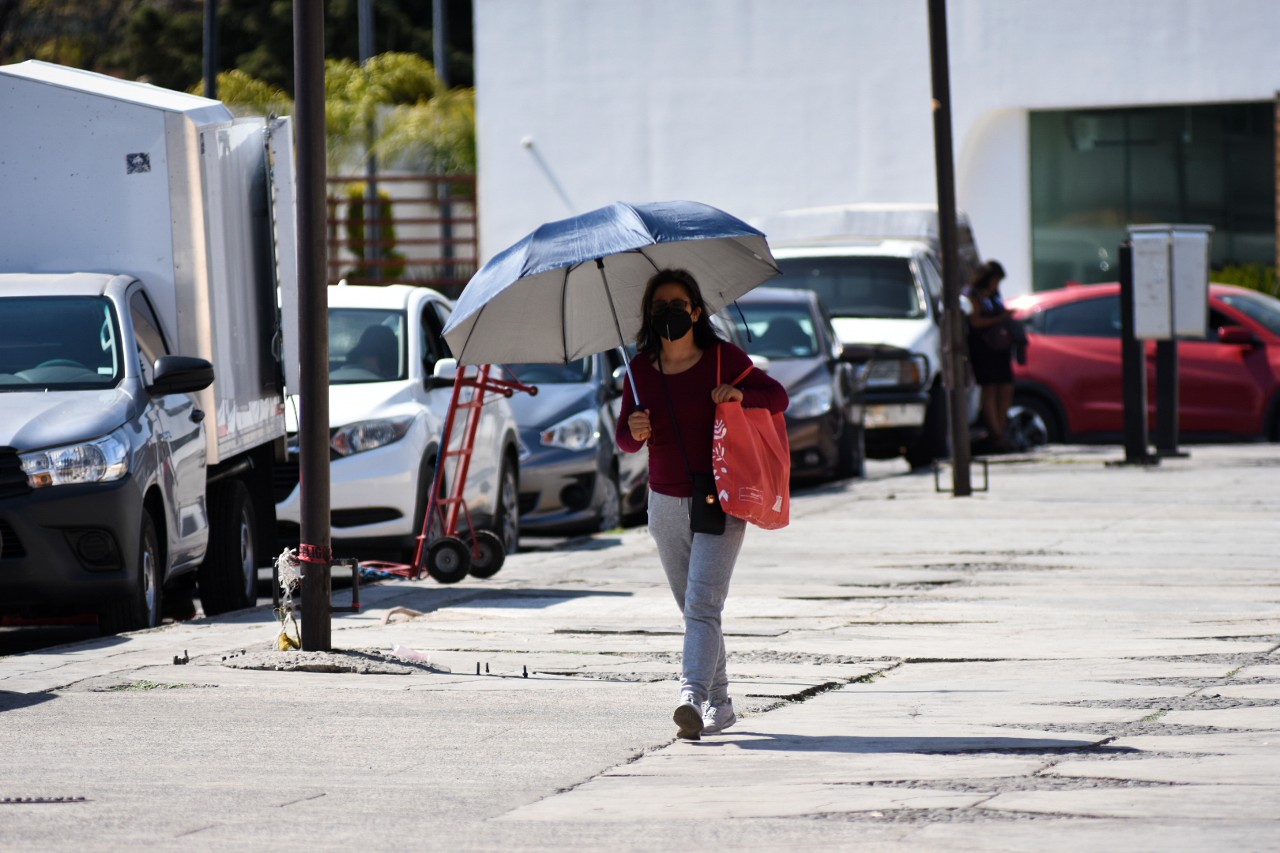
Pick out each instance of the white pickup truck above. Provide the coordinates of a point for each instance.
(876, 268)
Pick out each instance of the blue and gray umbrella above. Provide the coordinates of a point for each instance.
(573, 288)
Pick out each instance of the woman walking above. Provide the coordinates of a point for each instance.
(680, 372)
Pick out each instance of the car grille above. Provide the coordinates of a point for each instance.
(13, 480)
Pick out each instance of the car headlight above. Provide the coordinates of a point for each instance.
(99, 461)
(811, 402)
(576, 432)
(897, 372)
(369, 435)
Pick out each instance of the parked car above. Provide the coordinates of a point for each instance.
(573, 479)
(791, 328)
(390, 388)
(1071, 387)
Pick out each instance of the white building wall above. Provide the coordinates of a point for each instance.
(757, 106)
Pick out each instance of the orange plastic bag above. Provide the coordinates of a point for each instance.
(751, 460)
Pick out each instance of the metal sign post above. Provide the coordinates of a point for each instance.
(1171, 298)
(1133, 358)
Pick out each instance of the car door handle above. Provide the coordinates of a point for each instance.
(197, 415)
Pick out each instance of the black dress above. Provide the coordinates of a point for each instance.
(991, 365)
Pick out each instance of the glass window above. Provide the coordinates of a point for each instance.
(58, 344)
(553, 373)
(860, 286)
(1257, 306)
(1088, 318)
(146, 328)
(780, 330)
(1095, 172)
(365, 345)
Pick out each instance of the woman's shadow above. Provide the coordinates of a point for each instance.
(920, 745)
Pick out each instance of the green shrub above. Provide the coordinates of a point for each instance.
(387, 272)
(1258, 277)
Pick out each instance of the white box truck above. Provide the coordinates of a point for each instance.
(147, 265)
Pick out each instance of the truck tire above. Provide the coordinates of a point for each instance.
(933, 438)
(229, 574)
(141, 607)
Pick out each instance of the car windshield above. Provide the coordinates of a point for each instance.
(1258, 306)
(779, 329)
(366, 345)
(857, 286)
(552, 373)
(58, 343)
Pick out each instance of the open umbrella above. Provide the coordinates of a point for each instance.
(573, 287)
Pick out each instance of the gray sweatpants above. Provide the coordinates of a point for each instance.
(698, 567)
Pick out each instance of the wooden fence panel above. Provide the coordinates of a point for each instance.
(424, 233)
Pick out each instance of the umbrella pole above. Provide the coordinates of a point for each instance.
(626, 359)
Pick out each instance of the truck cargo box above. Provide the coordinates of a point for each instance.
(104, 175)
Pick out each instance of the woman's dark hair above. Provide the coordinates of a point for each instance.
(987, 275)
(704, 334)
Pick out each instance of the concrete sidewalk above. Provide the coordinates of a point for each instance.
(1084, 656)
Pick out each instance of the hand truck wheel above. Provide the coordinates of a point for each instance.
(488, 554)
(448, 559)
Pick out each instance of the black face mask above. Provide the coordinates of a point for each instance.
(672, 323)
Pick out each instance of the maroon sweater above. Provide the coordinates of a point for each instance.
(691, 396)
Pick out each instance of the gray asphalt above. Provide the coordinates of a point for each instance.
(1083, 656)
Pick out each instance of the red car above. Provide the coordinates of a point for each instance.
(1071, 388)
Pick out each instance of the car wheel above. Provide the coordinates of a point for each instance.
(487, 554)
(852, 460)
(426, 476)
(228, 577)
(933, 439)
(448, 559)
(610, 503)
(506, 515)
(1032, 422)
(140, 608)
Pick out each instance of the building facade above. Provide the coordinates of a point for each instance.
(1071, 120)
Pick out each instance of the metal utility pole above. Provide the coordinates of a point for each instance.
(440, 58)
(211, 49)
(372, 209)
(955, 352)
(314, 552)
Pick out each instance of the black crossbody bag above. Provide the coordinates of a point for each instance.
(705, 513)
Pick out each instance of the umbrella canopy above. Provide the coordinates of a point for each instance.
(573, 288)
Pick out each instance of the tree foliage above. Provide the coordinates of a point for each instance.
(394, 107)
(162, 41)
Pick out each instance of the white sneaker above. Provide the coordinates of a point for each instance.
(717, 718)
(688, 719)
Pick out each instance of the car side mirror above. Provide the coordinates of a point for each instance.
(1237, 335)
(617, 381)
(179, 374)
(444, 374)
(856, 353)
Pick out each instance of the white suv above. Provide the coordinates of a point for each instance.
(387, 411)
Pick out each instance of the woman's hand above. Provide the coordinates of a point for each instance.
(638, 423)
(725, 394)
